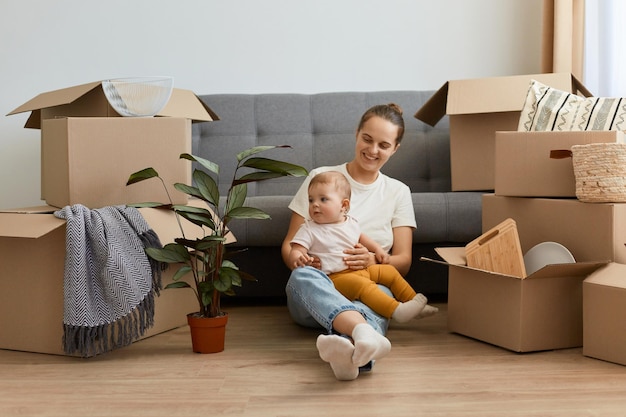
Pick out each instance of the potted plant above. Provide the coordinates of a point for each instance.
(205, 262)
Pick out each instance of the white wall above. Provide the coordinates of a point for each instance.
(248, 46)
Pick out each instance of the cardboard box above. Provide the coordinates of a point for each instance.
(88, 150)
(539, 312)
(604, 314)
(477, 108)
(591, 232)
(88, 160)
(32, 260)
(526, 164)
(88, 100)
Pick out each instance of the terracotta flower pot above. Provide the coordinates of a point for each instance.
(207, 333)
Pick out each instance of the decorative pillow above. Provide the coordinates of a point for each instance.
(547, 108)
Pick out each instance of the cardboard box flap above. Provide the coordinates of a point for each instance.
(182, 103)
(56, 98)
(32, 210)
(455, 257)
(490, 95)
(577, 269)
(435, 108)
(613, 275)
(34, 222)
(29, 226)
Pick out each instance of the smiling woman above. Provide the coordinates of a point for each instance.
(383, 207)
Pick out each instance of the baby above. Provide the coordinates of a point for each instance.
(329, 231)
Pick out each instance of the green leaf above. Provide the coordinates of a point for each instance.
(236, 196)
(201, 244)
(247, 276)
(142, 175)
(206, 289)
(170, 253)
(207, 187)
(182, 271)
(227, 278)
(179, 284)
(273, 165)
(257, 176)
(187, 189)
(209, 242)
(229, 264)
(247, 213)
(211, 166)
(207, 299)
(196, 215)
(252, 151)
(147, 205)
(180, 208)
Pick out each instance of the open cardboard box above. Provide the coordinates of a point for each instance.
(32, 244)
(477, 108)
(527, 165)
(604, 314)
(88, 151)
(590, 231)
(88, 100)
(539, 312)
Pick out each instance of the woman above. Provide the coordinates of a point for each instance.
(384, 208)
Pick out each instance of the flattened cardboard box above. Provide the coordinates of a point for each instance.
(604, 314)
(590, 231)
(32, 254)
(477, 108)
(87, 160)
(542, 311)
(528, 164)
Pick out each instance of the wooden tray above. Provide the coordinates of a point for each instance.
(498, 250)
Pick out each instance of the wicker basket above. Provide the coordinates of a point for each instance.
(600, 172)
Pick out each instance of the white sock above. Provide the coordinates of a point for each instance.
(368, 344)
(427, 311)
(338, 351)
(409, 309)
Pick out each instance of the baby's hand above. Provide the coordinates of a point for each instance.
(303, 260)
(382, 257)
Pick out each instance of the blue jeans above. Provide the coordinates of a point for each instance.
(313, 301)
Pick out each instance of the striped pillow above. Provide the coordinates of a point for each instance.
(547, 108)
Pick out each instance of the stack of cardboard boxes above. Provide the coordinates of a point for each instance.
(545, 309)
(87, 155)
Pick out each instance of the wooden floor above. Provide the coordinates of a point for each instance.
(270, 368)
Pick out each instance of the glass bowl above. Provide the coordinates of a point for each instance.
(138, 96)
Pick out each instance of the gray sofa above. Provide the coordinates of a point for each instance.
(321, 130)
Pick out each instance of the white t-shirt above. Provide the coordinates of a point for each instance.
(328, 241)
(378, 207)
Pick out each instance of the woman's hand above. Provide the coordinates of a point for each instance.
(358, 257)
(316, 262)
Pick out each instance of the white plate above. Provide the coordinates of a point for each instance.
(546, 253)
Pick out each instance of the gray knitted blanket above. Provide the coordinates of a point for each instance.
(109, 283)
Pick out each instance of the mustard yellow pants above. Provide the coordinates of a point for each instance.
(361, 285)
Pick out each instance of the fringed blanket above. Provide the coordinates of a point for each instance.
(109, 283)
